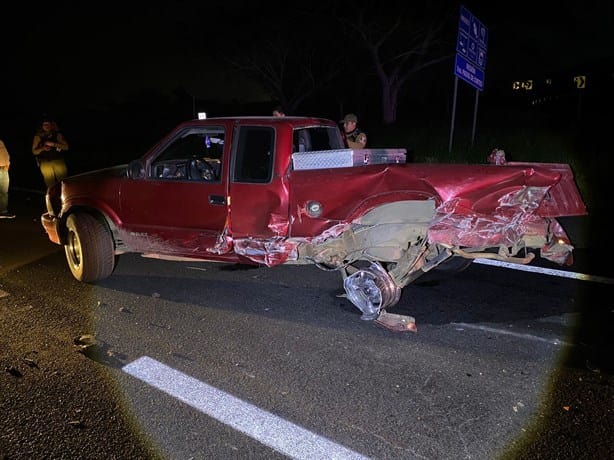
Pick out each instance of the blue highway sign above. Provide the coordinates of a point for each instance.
(471, 49)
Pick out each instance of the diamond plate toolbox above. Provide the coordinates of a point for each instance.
(346, 158)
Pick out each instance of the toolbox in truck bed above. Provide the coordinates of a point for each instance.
(345, 158)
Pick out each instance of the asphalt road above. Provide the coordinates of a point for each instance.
(504, 364)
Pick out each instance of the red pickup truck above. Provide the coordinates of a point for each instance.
(271, 191)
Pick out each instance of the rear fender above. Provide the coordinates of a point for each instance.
(385, 233)
(396, 206)
(563, 198)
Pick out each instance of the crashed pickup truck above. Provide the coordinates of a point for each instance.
(270, 191)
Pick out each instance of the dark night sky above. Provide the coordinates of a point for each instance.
(546, 36)
(90, 53)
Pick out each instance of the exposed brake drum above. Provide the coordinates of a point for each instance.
(371, 289)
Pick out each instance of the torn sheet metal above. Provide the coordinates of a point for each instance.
(269, 251)
(456, 224)
(278, 250)
(513, 223)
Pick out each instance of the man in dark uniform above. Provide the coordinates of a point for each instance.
(354, 137)
(48, 146)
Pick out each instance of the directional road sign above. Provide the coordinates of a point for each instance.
(471, 49)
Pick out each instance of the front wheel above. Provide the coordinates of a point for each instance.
(89, 248)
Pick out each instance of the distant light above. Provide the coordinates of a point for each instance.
(525, 84)
(548, 81)
(202, 115)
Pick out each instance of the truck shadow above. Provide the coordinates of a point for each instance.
(479, 294)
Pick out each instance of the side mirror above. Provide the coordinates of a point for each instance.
(136, 169)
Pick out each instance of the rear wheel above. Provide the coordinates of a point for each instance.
(89, 248)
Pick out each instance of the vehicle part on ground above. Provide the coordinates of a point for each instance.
(396, 322)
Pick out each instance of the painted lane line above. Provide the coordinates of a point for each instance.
(545, 271)
(268, 429)
(519, 335)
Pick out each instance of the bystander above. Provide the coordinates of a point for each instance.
(278, 111)
(48, 146)
(354, 138)
(5, 163)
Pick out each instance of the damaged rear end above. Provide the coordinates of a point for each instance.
(385, 225)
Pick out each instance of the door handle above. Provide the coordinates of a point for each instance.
(217, 199)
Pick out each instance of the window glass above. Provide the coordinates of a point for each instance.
(254, 156)
(196, 154)
(317, 138)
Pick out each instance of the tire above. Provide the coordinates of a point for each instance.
(454, 264)
(89, 248)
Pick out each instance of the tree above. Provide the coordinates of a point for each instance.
(290, 62)
(289, 73)
(399, 45)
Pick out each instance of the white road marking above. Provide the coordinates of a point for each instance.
(545, 271)
(269, 429)
(520, 335)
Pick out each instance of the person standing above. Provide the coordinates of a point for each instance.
(278, 111)
(353, 137)
(48, 146)
(5, 162)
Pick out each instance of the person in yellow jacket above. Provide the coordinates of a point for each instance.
(48, 146)
(5, 162)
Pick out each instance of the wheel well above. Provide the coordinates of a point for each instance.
(85, 210)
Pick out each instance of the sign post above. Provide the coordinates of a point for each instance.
(470, 61)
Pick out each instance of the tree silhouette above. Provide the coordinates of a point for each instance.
(400, 45)
(291, 62)
(289, 72)
(342, 47)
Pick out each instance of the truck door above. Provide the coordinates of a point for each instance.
(180, 206)
(258, 196)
